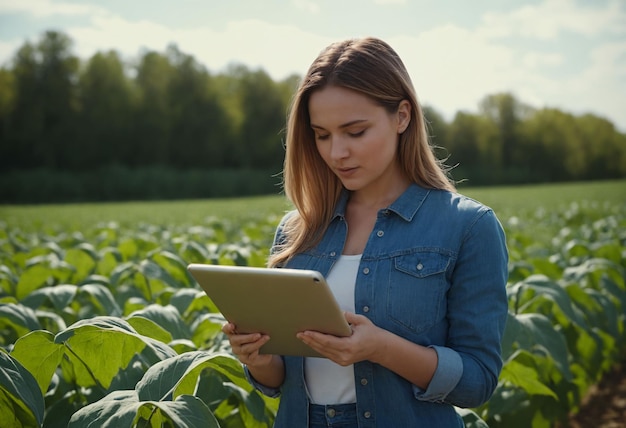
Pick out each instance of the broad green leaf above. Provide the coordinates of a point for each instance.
(168, 318)
(147, 327)
(206, 328)
(128, 249)
(100, 347)
(194, 252)
(116, 410)
(32, 278)
(82, 261)
(123, 409)
(101, 300)
(535, 332)
(109, 259)
(182, 345)
(183, 298)
(38, 353)
(526, 378)
(18, 318)
(21, 401)
(174, 266)
(179, 375)
(50, 321)
(153, 271)
(60, 296)
(122, 272)
(545, 288)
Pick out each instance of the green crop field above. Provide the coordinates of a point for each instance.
(506, 201)
(101, 324)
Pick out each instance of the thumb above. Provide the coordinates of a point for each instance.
(351, 317)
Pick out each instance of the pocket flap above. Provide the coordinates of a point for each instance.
(422, 264)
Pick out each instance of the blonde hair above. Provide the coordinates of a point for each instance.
(371, 67)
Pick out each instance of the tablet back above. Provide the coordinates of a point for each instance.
(277, 302)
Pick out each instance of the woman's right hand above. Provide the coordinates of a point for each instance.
(246, 346)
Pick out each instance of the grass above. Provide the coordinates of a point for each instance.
(506, 201)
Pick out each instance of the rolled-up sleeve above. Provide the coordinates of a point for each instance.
(449, 371)
(265, 390)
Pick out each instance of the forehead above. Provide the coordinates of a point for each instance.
(338, 102)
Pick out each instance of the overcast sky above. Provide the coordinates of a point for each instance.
(568, 54)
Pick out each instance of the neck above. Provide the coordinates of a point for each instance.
(379, 200)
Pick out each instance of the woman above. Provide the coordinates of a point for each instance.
(420, 270)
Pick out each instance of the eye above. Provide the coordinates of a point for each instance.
(356, 134)
(320, 137)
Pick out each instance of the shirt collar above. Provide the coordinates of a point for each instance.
(405, 206)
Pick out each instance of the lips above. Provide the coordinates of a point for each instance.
(345, 172)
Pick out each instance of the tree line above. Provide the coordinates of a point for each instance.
(166, 110)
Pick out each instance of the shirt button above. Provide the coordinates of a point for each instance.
(380, 233)
(363, 381)
(367, 415)
(420, 266)
(332, 254)
(366, 270)
(366, 308)
(330, 413)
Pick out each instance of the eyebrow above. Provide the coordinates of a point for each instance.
(342, 126)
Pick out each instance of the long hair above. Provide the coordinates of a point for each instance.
(371, 67)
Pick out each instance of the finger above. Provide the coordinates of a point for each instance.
(353, 318)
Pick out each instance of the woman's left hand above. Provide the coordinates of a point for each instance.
(365, 343)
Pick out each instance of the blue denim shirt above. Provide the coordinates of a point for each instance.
(434, 271)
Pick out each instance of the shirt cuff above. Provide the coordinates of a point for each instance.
(265, 390)
(447, 374)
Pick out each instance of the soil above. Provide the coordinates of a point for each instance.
(605, 405)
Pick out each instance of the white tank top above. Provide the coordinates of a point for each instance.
(327, 382)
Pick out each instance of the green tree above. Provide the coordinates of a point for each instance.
(7, 101)
(474, 149)
(201, 131)
(553, 145)
(264, 113)
(40, 132)
(152, 125)
(107, 108)
(603, 146)
(507, 113)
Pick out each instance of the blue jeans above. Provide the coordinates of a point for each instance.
(332, 415)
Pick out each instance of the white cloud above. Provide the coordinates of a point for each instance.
(45, 8)
(453, 68)
(597, 88)
(278, 49)
(385, 2)
(307, 5)
(547, 20)
(533, 60)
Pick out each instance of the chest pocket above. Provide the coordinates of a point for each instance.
(417, 290)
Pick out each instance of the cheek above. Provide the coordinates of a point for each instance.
(322, 150)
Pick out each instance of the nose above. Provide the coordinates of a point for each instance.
(339, 148)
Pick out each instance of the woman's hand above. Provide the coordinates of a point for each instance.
(365, 343)
(267, 369)
(246, 346)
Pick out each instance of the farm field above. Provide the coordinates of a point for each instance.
(99, 320)
(505, 200)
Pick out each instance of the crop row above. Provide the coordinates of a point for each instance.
(107, 325)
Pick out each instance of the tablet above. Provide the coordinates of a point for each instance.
(276, 302)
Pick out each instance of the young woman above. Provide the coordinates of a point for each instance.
(419, 269)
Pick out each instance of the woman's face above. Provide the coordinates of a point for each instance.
(358, 139)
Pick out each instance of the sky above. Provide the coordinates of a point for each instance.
(565, 54)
